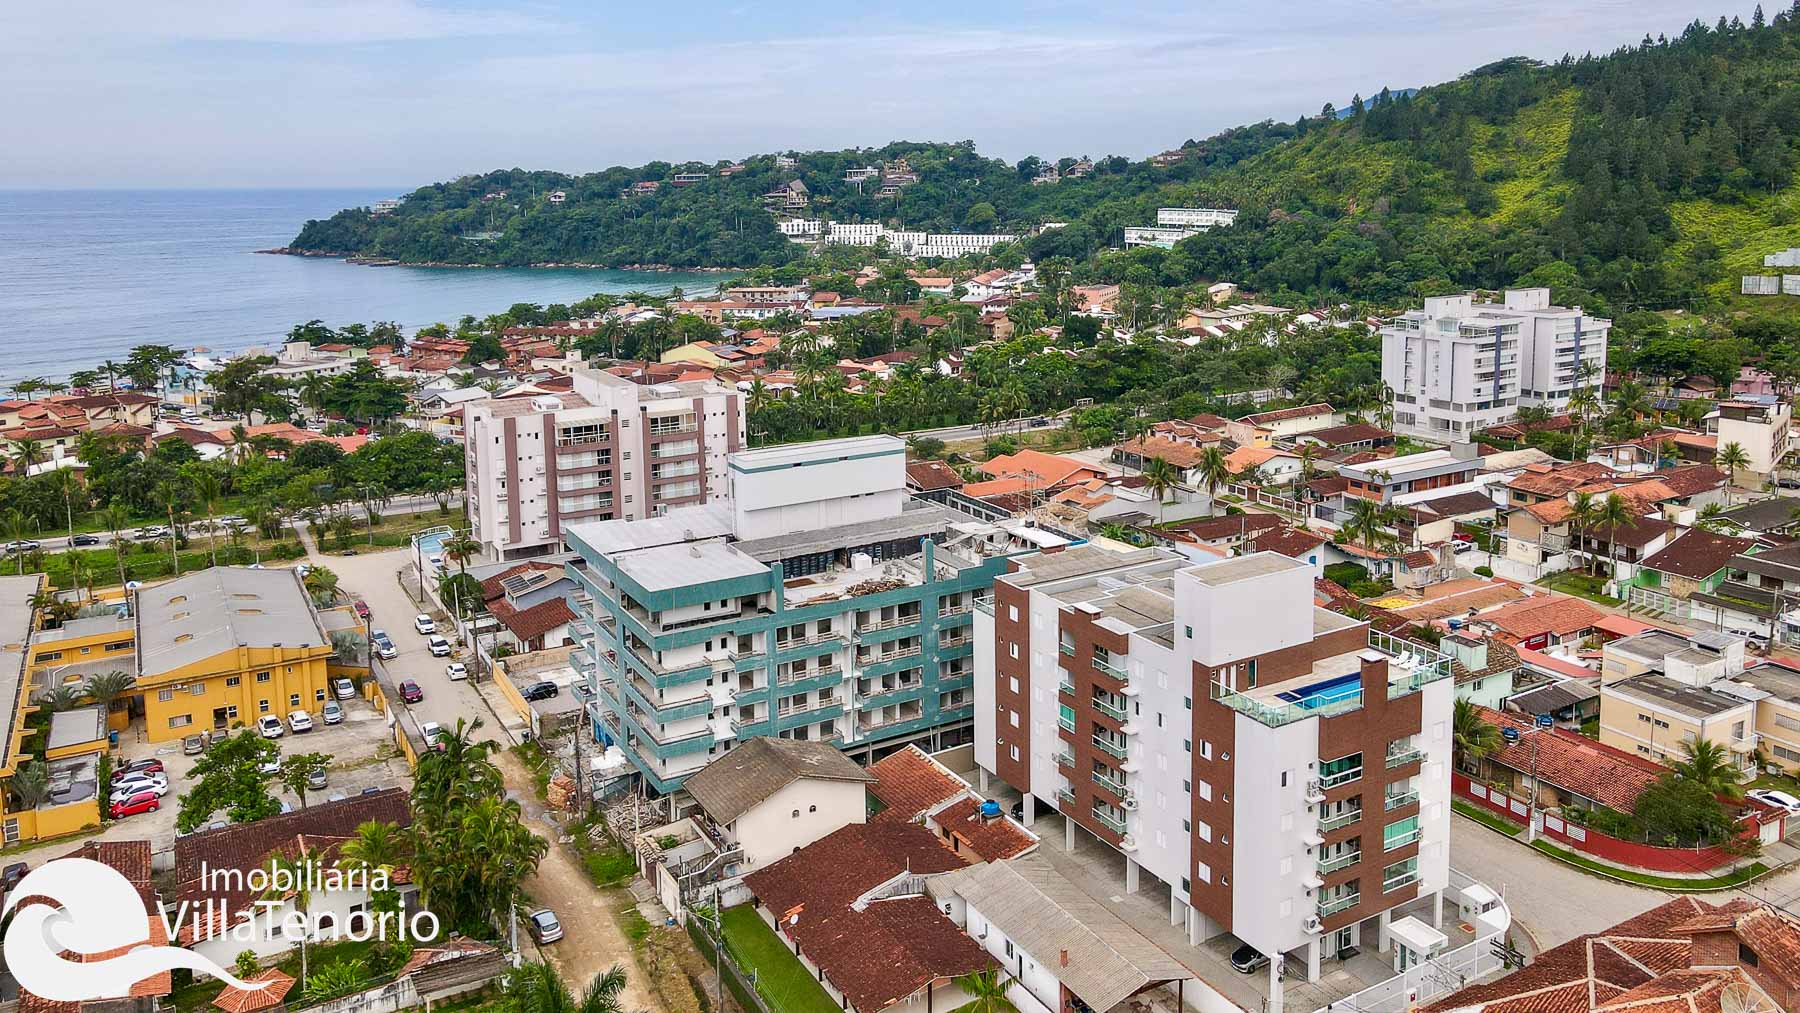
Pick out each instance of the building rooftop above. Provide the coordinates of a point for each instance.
(204, 614)
(790, 455)
(733, 784)
(16, 619)
(1692, 701)
(666, 567)
(1226, 572)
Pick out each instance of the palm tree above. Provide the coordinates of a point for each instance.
(1612, 515)
(294, 870)
(208, 488)
(31, 783)
(117, 517)
(1732, 457)
(1472, 736)
(1160, 477)
(987, 991)
(17, 527)
(60, 698)
(321, 583)
(1368, 525)
(1582, 510)
(26, 454)
(461, 548)
(67, 486)
(538, 988)
(1709, 765)
(1213, 471)
(169, 495)
(105, 687)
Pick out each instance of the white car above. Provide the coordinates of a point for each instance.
(269, 726)
(1778, 799)
(432, 732)
(333, 712)
(437, 563)
(299, 721)
(385, 649)
(344, 688)
(456, 670)
(125, 787)
(424, 624)
(439, 647)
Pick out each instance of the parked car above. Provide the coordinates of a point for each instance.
(424, 624)
(439, 647)
(147, 766)
(456, 670)
(1247, 958)
(299, 721)
(384, 646)
(194, 744)
(316, 781)
(1463, 536)
(1461, 547)
(544, 926)
(269, 726)
(344, 688)
(1777, 799)
(539, 691)
(143, 802)
(362, 609)
(158, 786)
(410, 692)
(269, 767)
(10, 878)
(85, 540)
(332, 712)
(432, 732)
(22, 545)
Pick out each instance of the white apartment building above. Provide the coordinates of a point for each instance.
(801, 228)
(1283, 769)
(1458, 366)
(607, 449)
(913, 243)
(1175, 224)
(1761, 426)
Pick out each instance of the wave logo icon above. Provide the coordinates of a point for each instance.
(92, 896)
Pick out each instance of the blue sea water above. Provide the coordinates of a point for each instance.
(85, 275)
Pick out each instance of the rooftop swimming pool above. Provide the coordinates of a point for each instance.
(1324, 694)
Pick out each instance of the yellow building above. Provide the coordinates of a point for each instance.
(1661, 690)
(697, 352)
(222, 647)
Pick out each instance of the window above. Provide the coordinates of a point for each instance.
(197, 689)
(263, 676)
(293, 699)
(165, 695)
(233, 680)
(262, 706)
(796, 814)
(181, 721)
(812, 808)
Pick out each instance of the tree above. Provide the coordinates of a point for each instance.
(1160, 477)
(117, 517)
(1731, 457)
(208, 489)
(461, 548)
(1472, 736)
(987, 991)
(1368, 525)
(538, 988)
(1213, 472)
(59, 698)
(1612, 515)
(321, 583)
(1709, 765)
(1677, 811)
(1582, 512)
(364, 394)
(27, 454)
(298, 768)
(377, 847)
(31, 783)
(227, 777)
(105, 687)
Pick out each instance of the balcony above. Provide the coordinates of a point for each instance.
(878, 625)
(1067, 650)
(1335, 905)
(1406, 878)
(1397, 800)
(1402, 757)
(1065, 759)
(1327, 866)
(1329, 823)
(1410, 837)
(985, 605)
(955, 610)
(1116, 671)
(1116, 713)
(1117, 826)
(1066, 686)
(1064, 795)
(1067, 724)
(1340, 778)
(958, 641)
(1109, 747)
(1117, 787)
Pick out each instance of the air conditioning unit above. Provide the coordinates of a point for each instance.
(1128, 802)
(1313, 924)
(1314, 792)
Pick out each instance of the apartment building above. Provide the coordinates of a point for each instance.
(1661, 690)
(1284, 769)
(816, 601)
(1458, 366)
(1760, 426)
(1388, 479)
(1175, 224)
(608, 448)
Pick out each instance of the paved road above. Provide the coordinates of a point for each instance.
(1552, 901)
(399, 505)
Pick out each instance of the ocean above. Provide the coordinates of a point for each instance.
(86, 275)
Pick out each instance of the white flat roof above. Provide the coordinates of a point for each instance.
(1418, 936)
(795, 453)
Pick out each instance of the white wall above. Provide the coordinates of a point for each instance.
(1437, 707)
(985, 698)
(824, 493)
(1245, 618)
(771, 831)
(1164, 722)
(1269, 858)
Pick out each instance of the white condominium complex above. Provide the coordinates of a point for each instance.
(1458, 366)
(607, 449)
(1175, 224)
(1283, 769)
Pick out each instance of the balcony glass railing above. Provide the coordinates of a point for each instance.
(1333, 905)
(1399, 799)
(1327, 866)
(1066, 686)
(1402, 757)
(1116, 671)
(1068, 649)
(1401, 841)
(1276, 713)
(1065, 759)
(1064, 795)
(1065, 722)
(1329, 823)
(985, 605)
(1109, 747)
(1111, 711)
(1341, 777)
(1112, 823)
(1115, 786)
(1406, 878)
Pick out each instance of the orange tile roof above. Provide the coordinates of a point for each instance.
(1048, 469)
(909, 783)
(1543, 614)
(238, 1000)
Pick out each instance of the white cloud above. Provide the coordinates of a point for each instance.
(293, 22)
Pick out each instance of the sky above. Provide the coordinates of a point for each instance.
(351, 93)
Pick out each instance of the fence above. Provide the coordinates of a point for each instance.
(387, 998)
(741, 983)
(1585, 839)
(1447, 972)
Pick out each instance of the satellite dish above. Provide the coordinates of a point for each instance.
(1742, 997)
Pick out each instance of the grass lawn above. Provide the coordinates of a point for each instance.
(781, 979)
(1736, 877)
(1591, 728)
(1486, 817)
(1581, 585)
(394, 530)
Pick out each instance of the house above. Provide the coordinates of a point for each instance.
(1759, 426)
(225, 914)
(1294, 543)
(534, 603)
(1284, 423)
(1037, 470)
(1540, 483)
(1383, 480)
(771, 797)
(853, 908)
(1659, 690)
(1622, 548)
(1769, 516)
(1570, 769)
(1542, 621)
(1268, 465)
(1699, 560)
(1219, 535)
(132, 860)
(931, 479)
(915, 788)
(1485, 668)
(1354, 436)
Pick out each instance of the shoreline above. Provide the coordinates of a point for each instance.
(362, 261)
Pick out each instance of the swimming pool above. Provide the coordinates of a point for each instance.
(1324, 694)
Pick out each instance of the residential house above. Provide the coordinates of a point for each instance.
(1383, 480)
(771, 797)
(1660, 690)
(1351, 437)
(1562, 767)
(1699, 560)
(912, 787)
(1542, 621)
(1776, 516)
(1283, 424)
(534, 603)
(132, 860)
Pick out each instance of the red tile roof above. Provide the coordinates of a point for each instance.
(1558, 481)
(909, 782)
(888, 950)
(1292, 542)
(1283, 414)
(1575, 763)
(237, 1000)
(1543, 614)
(1347, 435)
(1697, 554)
(932, 475)
(991, 838)
(130, 859)
(1209, 529)
(531, 623)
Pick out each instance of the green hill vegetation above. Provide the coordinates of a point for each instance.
(1643, 179)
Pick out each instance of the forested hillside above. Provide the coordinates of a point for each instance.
(1645, 178)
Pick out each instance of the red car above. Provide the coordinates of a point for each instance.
(142, 802)
(410, 692)
(1460, 536)
(362, 609)
(137, 767)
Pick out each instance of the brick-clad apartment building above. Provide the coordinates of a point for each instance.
(1284, 769)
